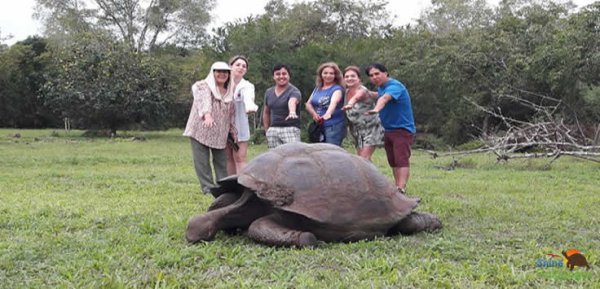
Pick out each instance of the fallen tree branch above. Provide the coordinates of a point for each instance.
(549, 137)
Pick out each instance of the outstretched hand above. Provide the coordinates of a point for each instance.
(346, 107)
(291, 115)
(371, 112)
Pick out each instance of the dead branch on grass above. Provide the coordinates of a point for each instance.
(547, 137)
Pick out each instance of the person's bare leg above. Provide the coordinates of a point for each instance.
(230, 160)
(240, 156)
(401, 175)
(366, 152)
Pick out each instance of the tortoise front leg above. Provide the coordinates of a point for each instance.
(271, 230)
(240, 214)
(224, 200)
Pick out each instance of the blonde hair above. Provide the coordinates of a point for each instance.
(338, 74)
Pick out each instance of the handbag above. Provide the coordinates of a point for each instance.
(231, 142)
(316, 132)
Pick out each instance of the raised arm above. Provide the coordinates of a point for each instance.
(380, 104)
(292, 104)
(335, 99)
(362, 95)
(372, 94)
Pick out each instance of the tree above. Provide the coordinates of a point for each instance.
(303, 35)
(448, 16)
(138, 26)
(22, 68)
(428, 58)
(463, 50)
(355, 19)
(100, 84)
(3, 38)
(584, 37)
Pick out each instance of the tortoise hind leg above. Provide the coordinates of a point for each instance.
(416, 222)
(271, 230)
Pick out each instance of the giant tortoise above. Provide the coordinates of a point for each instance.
(299, 194)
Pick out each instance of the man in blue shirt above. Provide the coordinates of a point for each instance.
(395, 112)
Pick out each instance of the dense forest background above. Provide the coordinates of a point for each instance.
(117, 65)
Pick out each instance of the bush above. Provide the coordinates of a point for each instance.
(258, 137)
(428, 141)
(470, 145)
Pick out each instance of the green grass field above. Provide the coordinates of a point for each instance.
(102, 213)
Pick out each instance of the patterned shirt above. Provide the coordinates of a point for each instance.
(221, 112)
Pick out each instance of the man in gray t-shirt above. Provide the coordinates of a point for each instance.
(282, 102)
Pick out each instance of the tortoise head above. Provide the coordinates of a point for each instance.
(201, 228)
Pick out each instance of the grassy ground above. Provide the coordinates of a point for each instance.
(100, 213)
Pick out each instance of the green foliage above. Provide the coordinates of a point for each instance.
(429, 141)
(111, 213)
(470, 145)
(258, 137)
(591, 97)
(21, 76)
(463, 52)
(106, 85)
(456, 16)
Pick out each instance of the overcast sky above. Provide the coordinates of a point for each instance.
(16, 15)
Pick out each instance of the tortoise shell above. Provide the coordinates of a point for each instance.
(327, 184)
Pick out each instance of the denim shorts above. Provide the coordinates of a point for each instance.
(335, 134)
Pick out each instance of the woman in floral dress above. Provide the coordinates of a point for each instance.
(365, 128)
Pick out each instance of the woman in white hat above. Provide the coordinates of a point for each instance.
(210, 121)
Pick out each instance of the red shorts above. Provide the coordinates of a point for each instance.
(397, 147)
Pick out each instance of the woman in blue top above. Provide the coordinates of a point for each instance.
(326, 102)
